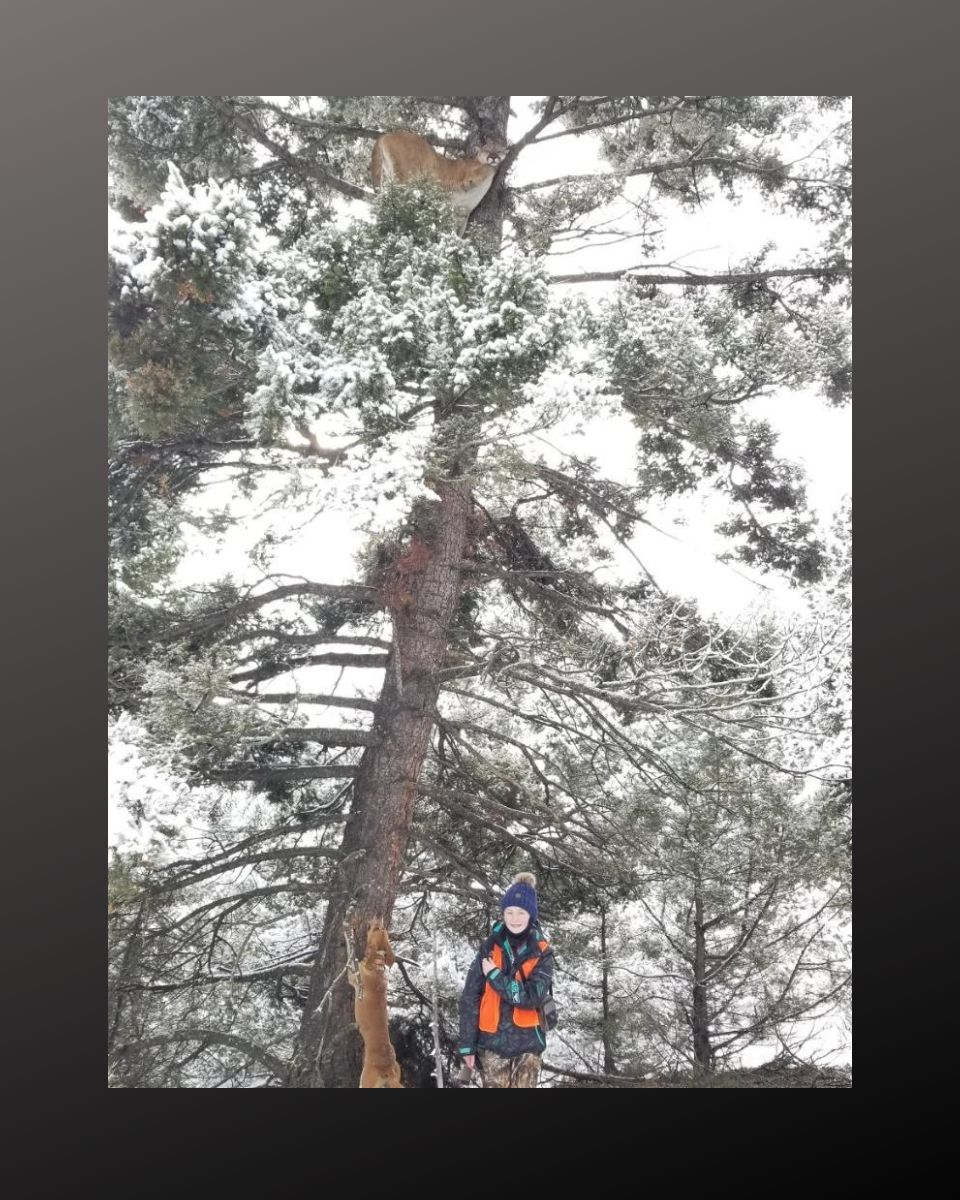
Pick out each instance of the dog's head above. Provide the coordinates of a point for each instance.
(378, 943)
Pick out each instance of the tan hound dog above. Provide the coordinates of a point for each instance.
(369, 982)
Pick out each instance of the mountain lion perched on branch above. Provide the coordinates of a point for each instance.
(369, 982)
(403, 157)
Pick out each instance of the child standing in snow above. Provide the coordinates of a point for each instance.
(500, 1026)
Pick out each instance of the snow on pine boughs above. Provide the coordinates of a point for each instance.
(398, 322)
(195, 292)
(410, 310)
(686, 366)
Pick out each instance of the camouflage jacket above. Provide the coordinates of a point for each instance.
(510, 1039)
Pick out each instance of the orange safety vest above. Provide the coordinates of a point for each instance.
(490, 1002)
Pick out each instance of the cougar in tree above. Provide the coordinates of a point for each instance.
(403, 157)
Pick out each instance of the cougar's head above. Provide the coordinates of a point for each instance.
(490, 153)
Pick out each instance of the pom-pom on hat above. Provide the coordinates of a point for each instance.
(521, 894)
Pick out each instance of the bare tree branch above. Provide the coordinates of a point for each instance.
(210, 1037)
(265, 973)
(311, 698)
(691, 278)
(281, 774)
(249, 860)
(333, 659)
(299, 163)
(210, 621)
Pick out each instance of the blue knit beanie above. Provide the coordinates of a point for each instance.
(521, 894)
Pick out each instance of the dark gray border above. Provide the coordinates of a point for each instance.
(62, 61)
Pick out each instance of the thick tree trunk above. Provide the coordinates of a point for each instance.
(490, 115)
(423, 602)
(422, 594)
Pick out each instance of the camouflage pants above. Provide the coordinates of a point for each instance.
(521, 1071)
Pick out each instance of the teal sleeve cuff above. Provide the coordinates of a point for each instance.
(495, 971)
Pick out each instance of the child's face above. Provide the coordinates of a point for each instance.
(517, 919)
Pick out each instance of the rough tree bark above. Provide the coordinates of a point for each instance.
(422, 594)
